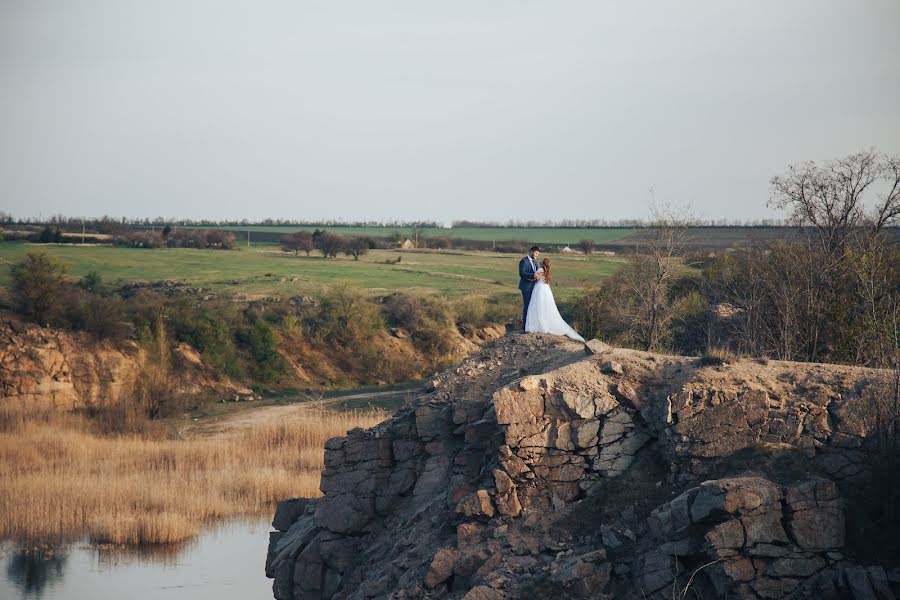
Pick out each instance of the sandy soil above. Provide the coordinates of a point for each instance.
(250, 417)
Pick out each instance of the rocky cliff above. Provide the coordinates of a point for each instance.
(539, 468)
(46, 366)
(71, 370)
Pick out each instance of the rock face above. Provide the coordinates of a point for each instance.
(41, 366)
(540, 468)
(71, 370)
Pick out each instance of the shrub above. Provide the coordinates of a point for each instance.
(717, 355)
(216, 238)
(140, 239)
(91, 282)
(37, 283)
(503, 309)
(259, 339)
(428, 319)
(590, 312)
(471, 311)
(104, 317)
(210, 334)
(151, 392)
(346, 316)
(146, 309)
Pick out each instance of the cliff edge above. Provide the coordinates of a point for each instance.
(541, 468)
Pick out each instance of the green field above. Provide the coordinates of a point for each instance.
(536, 235)
(265, 270)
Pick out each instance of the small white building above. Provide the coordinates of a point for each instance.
(566, 249)
(407, 244)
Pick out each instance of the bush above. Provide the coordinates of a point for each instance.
(49, 235)
(716, 356)
(104, 317)
(503, 309)
(210, 334)
(428, 319)
(189, 238)
(92, 282)
(259, 339)
(216, 238)
(590, 312)
(146, 309)
(346, 316)
(37, 283)
(140, 239)
(471, 311)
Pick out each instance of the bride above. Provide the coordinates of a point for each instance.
(543, 316)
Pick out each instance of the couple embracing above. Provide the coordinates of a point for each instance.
(539, 311)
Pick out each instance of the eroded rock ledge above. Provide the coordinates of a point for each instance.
(537, 469)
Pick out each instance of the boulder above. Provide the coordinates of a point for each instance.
(595, 347)
(478, 504)
(441, 567)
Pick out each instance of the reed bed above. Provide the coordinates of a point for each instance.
(62, 481)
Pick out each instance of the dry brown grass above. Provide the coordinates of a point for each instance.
(61, 480)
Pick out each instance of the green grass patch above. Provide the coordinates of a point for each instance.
(266, 270)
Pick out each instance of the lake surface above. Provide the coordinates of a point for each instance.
(227, 562)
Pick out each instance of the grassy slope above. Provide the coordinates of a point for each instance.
(266, 270)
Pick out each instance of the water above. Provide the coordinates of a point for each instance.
(225, 562)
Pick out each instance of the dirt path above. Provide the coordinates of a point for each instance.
(227, 424)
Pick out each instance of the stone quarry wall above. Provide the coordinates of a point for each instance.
(42, 366)
(538, 468)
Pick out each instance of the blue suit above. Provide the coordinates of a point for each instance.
(526, 284)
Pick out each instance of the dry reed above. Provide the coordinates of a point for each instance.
(62, 481)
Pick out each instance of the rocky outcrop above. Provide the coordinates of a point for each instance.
(42, 366)
(71, 370)
(752, 537)
(46, 366)
(542, 468)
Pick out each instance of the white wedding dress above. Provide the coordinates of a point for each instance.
(543, 316)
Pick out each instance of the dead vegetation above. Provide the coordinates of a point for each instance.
(63, 480)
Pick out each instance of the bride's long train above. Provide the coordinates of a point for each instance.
(543, 315)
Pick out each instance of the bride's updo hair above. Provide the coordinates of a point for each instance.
(546, 265)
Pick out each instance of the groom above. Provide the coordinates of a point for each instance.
(527, 268)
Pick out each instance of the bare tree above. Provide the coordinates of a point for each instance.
(586, 246)
(834, 198)
(299, 241)
(356, 247)
(653, 269)
(329, 244)
(846, 278)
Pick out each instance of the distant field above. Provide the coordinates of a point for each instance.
(266, 270)
(536, 235)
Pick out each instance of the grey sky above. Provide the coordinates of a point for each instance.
(438, 110)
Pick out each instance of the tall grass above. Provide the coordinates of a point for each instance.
(62, 480)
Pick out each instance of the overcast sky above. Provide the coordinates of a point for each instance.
(433, 110)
